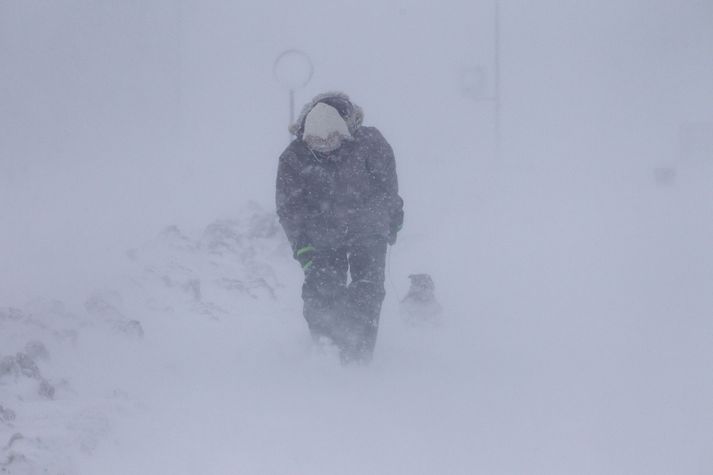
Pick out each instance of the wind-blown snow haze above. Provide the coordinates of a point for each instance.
(556, 164)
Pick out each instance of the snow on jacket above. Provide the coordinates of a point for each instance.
(329, 200)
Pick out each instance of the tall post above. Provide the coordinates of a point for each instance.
(293, 69)
(496, 19)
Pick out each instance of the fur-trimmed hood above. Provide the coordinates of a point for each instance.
(352, 113)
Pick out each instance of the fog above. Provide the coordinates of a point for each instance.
(570, 245)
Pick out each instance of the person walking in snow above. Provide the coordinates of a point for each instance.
(338, 202)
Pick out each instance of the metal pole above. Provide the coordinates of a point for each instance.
(292, 106)
(497, 81)
(292, 110)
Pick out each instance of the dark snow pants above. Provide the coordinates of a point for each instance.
(347, 314)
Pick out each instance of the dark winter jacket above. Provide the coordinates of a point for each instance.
(331, 200)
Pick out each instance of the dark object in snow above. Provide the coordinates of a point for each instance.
(193, 288)
(23, 364)
(131, 328)
(27, 365)
(338, 202)
(420, 305)
(20, 364)
(8, 366)
(665, 176)
(46, 390)
(11, 314)
(6, 415)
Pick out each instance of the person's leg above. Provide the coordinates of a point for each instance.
(365, 294)
(323, 290)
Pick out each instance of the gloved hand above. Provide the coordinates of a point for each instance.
(304, 255)
(393, 231)
(397, 221)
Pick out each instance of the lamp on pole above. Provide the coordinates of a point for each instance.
(293, 69)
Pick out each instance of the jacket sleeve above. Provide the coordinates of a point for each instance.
(382, 166)
(288, 199)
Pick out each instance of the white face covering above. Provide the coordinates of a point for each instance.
(324, 129)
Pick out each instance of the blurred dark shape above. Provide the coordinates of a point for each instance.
(665, 176)
(420, 306)
(6, 415)
(132, 328)
(46, 390)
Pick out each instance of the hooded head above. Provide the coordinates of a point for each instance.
(327, 121)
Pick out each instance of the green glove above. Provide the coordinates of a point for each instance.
(304, 256)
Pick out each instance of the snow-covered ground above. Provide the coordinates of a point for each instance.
(575, 338)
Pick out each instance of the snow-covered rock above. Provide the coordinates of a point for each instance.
(69, 371)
